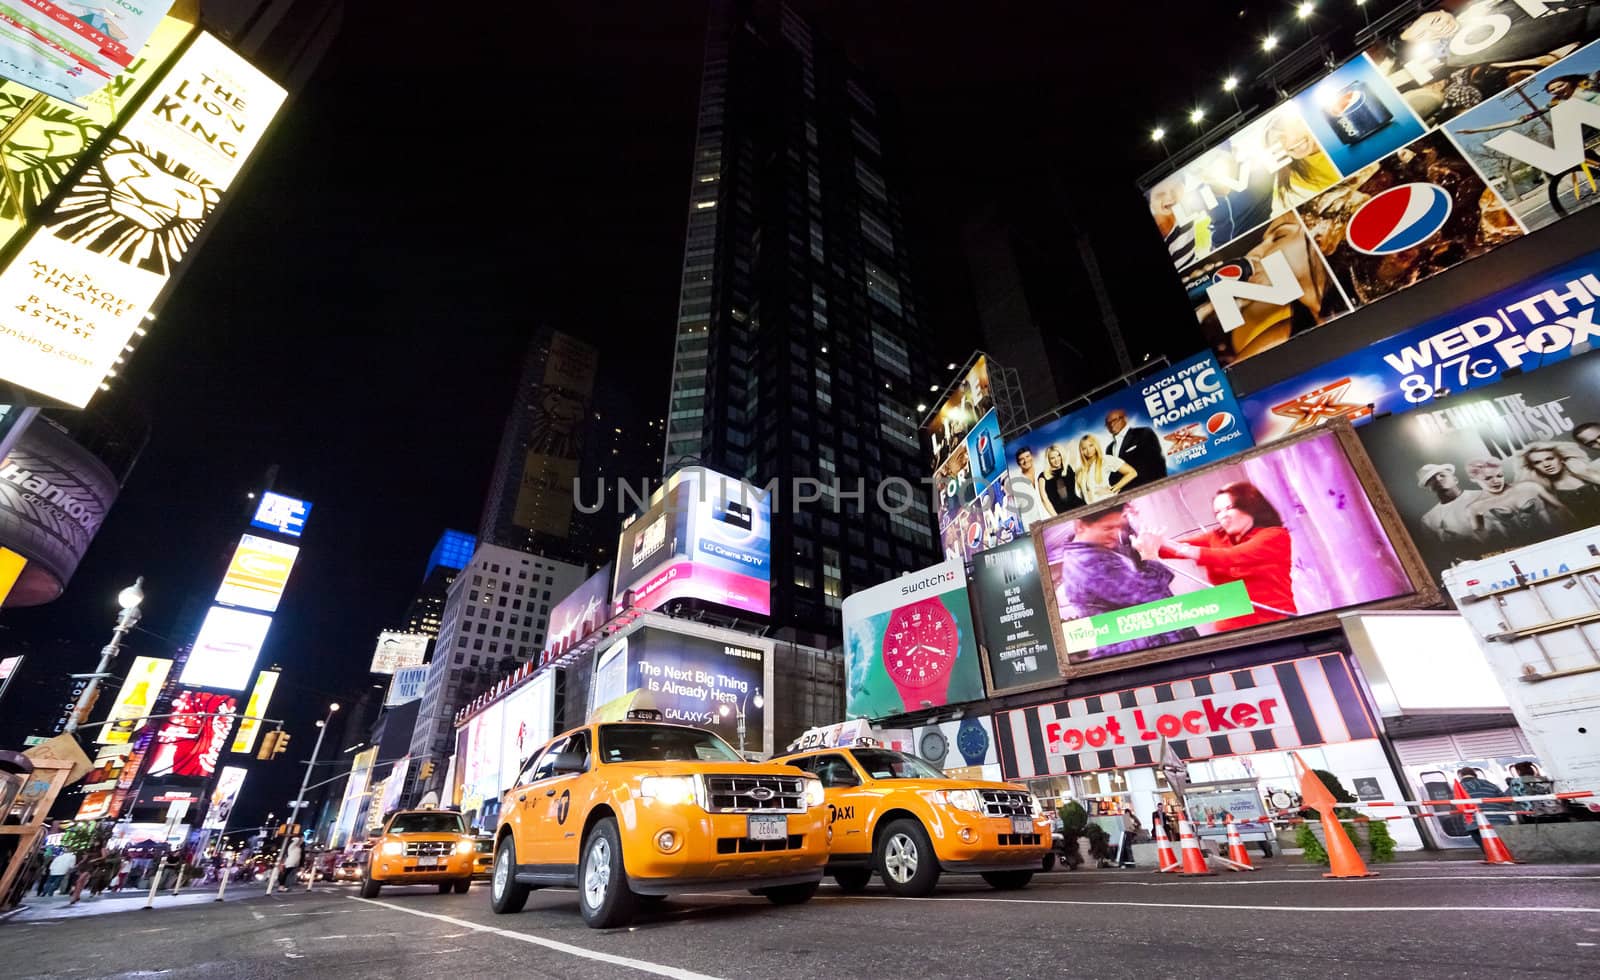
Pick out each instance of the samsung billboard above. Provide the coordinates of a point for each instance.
(1462, 129)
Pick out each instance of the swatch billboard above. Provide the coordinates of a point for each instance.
(1542, 321)
(909, 644)
(706, 536)
(1511, 465)
(1460, 130)
(1266, 543)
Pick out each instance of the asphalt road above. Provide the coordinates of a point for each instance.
(1450, 919)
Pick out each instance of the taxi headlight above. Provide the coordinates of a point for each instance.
(466, 846)
(814, 795)
(961, 799)
(1038, 808)
(394, 848)
(670, 790)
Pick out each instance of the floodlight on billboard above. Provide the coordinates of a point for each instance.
(286, 515)
(258, 573)
(139, 691)
(244, 740)
(225, 652)
(396, 650)
(116, 237)
(706, 536)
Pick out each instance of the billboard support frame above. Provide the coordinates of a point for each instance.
(1425, 593)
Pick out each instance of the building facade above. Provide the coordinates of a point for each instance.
(798, 350)
(496, 615)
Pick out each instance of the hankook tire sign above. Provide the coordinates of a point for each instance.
(54, 495)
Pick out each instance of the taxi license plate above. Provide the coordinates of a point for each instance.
(427, 862)
(768, 826)
(1022, 825)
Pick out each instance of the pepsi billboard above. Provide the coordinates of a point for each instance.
(1463, 128)
(1165, 423)
(1538, 322)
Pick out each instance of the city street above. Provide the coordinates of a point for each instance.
(1444, 918)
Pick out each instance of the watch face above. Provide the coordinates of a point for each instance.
(972, 741)
(920, 644)
(934, 747)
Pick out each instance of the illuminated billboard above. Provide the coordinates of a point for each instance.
(406, 685)
(286, 515)
(1458, 130)
(54, 496)
(70, 50)
(139, 691)
(188, 743)
(224, 796)
(692, 679)
(258, 573)
(1508, 466)
(396, 650)
(1269, 542)
(580, 613)
(946, 430)
(225, 652)
(244, 740)
(909, 644)
(706, 536)
(82, 283)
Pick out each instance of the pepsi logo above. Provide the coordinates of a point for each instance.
(1219, 422)
(1400, 218)
(974, 536)
(1231, 271)
(983, 442)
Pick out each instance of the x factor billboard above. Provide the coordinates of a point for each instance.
(1462, 129)
(1539, 322)
(705, 536)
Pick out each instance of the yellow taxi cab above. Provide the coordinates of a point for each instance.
(483, 857)
(899, 816)
(632, 811)
(420, 847)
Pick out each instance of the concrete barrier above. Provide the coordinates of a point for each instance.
(1576, 842)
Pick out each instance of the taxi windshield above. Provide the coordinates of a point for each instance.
(885, 764)
(662, 743)
(437, 822)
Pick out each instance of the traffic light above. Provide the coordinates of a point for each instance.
(269, 745)
(425, 770)
(281, 745)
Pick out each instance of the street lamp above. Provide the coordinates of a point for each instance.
(724, 708)
(129, 599)
(300, 801)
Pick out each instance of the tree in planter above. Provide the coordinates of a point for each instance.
(1099, 844)
(1380, 842)
(1306, 839)
(1073, 821)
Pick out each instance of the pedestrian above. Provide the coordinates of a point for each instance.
(1130, 830)
(60, 867)
(292, 852)
(86, 870)
(123, 871)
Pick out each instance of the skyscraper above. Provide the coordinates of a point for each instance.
(529, 506)
(799, 346)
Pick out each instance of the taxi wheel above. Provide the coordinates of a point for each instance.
(1008, 881)
(854, 881)
(444, 887)
(506, 895)
(369, 888)
(463, 885)
(905, 859)
(789, 894)
(604, 897)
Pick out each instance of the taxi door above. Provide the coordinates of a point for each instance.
(849, 805)
(553, 804)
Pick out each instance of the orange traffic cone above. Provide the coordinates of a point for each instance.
(1166, 857)
(1343, 858)
(1194, 859)
(1494, 849)
(1238, 857)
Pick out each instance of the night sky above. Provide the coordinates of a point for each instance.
(443, 187)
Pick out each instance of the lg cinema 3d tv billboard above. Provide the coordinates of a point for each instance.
(1468, 126)
(1264, 545)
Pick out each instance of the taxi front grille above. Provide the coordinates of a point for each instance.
(429, 848)
(1006, 803)
(755, 794)
(744, 845)
(1019, 840)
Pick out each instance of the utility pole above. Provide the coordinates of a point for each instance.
(300, 801)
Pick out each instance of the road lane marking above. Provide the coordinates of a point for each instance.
(643, 966)
(290, 950)
(1320, 881)
(1238, 908)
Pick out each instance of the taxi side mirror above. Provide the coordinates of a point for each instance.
(566, 762)
(375, 833)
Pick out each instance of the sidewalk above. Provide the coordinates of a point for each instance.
(54, 907)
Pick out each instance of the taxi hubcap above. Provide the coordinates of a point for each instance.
(502, 872)
(900, 858)
(598, 876)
